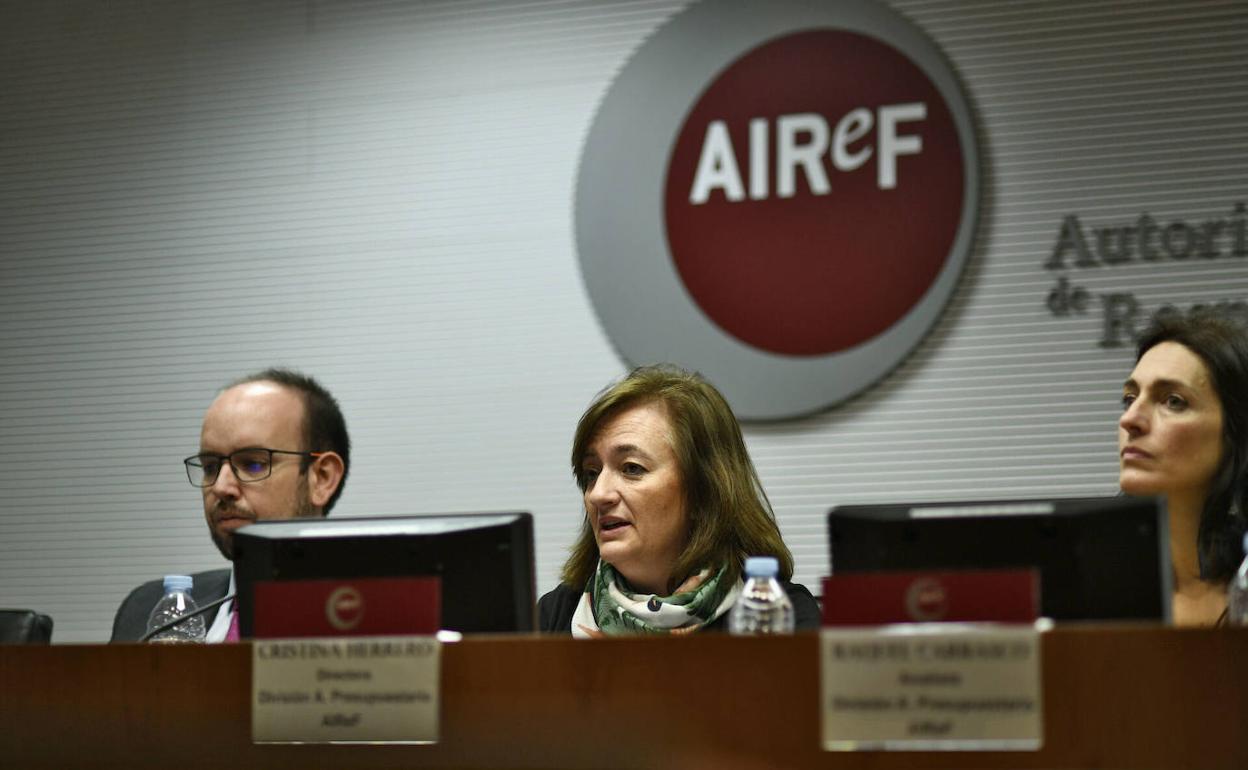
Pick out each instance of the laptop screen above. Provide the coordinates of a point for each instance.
(1098, 558)
(483, 562)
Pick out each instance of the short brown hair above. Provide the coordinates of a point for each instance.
(730, 517)
(324, 427)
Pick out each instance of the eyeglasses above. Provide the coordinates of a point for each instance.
(250, 464)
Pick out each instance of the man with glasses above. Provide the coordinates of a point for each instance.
(273, 446)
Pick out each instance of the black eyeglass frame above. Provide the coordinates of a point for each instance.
(193, 462)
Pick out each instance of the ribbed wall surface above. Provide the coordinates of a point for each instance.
(380, 194)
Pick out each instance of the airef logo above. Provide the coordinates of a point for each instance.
(784, 205)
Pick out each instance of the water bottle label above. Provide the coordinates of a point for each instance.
(761, 608)
(171, 607)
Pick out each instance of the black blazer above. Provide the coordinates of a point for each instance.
(131, 621)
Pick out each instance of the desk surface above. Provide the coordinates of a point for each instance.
(1129, 697)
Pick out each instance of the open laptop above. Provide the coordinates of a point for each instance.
(1098, 558)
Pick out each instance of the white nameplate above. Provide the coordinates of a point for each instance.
(345, 690)
(929, 687)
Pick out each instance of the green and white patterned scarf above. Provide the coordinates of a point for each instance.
(610, 607)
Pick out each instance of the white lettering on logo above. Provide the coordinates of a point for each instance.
(758, 159)
(892, 145)
(717, 166)
(790, 154)
(855, 125)
(802, 141)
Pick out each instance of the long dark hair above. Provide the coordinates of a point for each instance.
(1219, 338)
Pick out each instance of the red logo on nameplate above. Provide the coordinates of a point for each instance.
(864, 599)
(365, 607)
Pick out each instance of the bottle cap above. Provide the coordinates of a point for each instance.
(761, 566)
(178, 583)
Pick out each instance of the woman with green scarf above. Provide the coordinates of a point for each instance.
(673, 506)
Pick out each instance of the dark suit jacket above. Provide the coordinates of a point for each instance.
(131, 621)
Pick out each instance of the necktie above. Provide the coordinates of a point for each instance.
(231, 636)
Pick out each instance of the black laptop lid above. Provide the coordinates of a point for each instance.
(1099, 558)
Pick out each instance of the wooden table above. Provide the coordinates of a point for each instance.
(1114, 697)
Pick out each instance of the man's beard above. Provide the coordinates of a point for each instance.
(303, 510)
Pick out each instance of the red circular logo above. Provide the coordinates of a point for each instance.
(344, 609)
(927, 600)
(814, 192)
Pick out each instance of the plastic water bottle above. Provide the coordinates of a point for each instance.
(175, 603)
(1237, 593)
(763, 607)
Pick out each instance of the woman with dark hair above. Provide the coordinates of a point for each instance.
(673, 506)
(1183, 435)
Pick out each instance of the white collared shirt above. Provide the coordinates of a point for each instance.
(221, 623)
